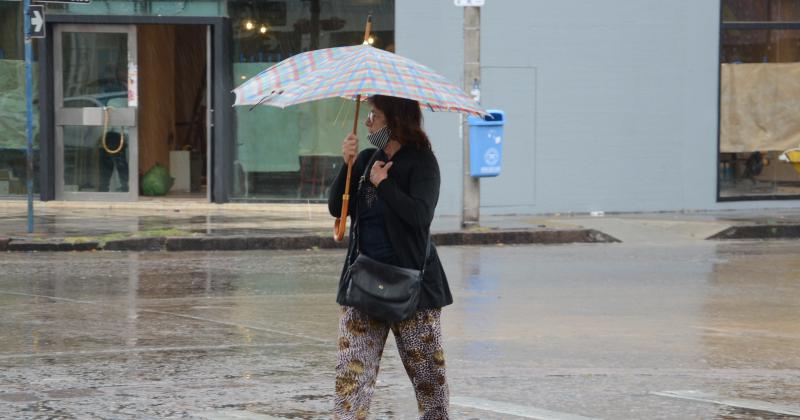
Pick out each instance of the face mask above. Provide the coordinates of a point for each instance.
(380, 138)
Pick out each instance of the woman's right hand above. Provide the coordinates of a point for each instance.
(349, 147)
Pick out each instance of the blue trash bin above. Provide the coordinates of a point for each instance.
(486, 143)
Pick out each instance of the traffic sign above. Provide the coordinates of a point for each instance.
(465, 3)
(36, 15)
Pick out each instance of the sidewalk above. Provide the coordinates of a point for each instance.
(186, 225)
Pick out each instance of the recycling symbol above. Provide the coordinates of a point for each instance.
(491, 156)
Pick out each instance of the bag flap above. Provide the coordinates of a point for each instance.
(384, 281)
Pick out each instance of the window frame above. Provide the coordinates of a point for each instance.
(743, 25)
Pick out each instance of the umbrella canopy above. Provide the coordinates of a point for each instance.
(353, 72)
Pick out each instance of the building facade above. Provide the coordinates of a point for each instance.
(627, 106)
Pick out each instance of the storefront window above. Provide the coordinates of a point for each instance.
(760, 11)
(294, 153)
(141, 8)
(13, 119)
(760, 100)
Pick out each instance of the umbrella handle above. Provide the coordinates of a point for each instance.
(368, 29)
(340, 225)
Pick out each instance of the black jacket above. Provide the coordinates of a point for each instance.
(409, 194)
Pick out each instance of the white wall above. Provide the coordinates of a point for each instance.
(610, 105)
(431, 33)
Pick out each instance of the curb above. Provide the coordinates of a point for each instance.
(295, 242)
(516, 237)
(759, 232)
(136, 244)
(44, 246)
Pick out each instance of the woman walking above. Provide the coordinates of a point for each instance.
(393, 210)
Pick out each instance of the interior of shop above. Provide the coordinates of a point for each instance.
(173, 96)
(279, 154)
(13, 139)
(294, 153)
(163, 93)
(759, 130)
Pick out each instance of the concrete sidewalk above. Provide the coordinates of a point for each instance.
(187, 225)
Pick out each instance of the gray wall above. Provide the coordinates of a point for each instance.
(610, 105)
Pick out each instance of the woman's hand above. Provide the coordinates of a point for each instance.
(349, 147)
(379, 172)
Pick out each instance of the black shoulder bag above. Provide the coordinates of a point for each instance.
(383, 291)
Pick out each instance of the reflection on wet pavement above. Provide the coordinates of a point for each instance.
(582, 330)
(94, 222)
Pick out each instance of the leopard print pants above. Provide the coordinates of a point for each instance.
(361, 342)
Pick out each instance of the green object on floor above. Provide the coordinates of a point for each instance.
(157, 181)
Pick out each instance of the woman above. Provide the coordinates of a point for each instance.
(395, 208)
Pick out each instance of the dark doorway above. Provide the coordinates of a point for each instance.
(173, 105)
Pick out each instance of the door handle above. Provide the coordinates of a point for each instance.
(95, 116)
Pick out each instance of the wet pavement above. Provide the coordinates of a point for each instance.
(104, 221)
(673, 331)
(69, 222)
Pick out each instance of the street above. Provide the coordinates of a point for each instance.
(618, 331)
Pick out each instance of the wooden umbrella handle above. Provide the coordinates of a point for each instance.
(340, 225)
(368, 29)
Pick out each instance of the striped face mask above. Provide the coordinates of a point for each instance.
(380, 138)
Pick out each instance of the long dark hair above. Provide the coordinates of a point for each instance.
(404, 118)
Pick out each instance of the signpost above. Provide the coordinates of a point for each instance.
(33, 27)
(471, 187)
(35, 18)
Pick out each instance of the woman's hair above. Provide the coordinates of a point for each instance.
(404, 118)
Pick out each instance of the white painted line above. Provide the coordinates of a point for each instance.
(135, 350)
(705, 397)
(234, 415)
(48, 297)
(746, 333)
(514, 409)
(196, 318)
(239, 324)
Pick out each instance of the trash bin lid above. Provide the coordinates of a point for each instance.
(495, 117)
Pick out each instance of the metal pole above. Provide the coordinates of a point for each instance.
(471, 192)
(29, 108)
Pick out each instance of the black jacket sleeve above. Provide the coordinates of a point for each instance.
(416, 206)
(337, 187)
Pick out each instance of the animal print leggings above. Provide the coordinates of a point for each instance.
(361, 342)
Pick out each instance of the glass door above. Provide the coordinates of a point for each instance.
(96, 99)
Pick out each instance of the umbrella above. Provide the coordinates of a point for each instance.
(354, 72)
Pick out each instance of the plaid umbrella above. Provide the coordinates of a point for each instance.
(354, 72)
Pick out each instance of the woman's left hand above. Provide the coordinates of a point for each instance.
(379, 172)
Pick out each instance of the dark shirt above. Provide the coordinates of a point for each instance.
(373, 240)
(409, 197)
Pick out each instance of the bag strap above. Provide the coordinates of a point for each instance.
(427, 255)
(355, 216)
